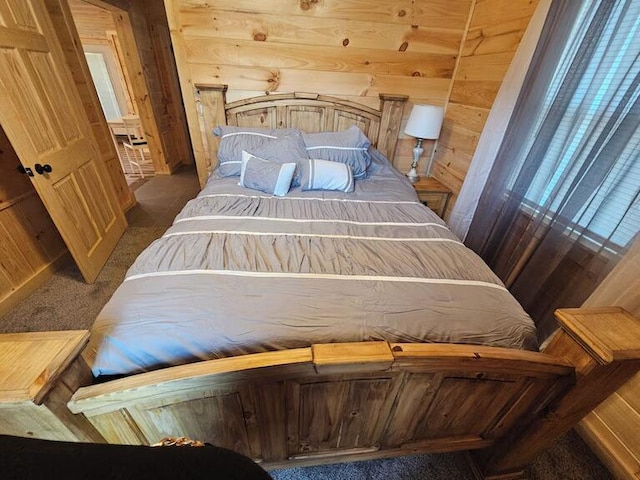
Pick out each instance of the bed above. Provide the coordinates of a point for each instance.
(241, 271)
(364, 328)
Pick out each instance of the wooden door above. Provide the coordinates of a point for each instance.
(43, 116)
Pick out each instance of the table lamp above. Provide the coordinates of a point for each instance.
(424, 122)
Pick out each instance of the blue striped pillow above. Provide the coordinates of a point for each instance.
(320, 174)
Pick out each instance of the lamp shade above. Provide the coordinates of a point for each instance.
(425, 121)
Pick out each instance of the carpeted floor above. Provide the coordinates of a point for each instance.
(66, 302)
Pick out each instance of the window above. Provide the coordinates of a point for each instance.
(592, 104)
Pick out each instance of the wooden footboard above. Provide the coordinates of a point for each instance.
(331, 400)
(338, 402)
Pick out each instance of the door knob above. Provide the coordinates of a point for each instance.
(41, 169)
(26, 171)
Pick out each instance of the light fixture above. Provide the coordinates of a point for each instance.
(424, 122)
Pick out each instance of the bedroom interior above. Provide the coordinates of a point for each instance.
(457, 56)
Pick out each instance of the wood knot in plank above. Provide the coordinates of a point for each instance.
(402, 13)
(307, 4)
(403, 47)
(259, 36)
(345, 42)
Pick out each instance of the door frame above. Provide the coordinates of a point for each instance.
(120, 10)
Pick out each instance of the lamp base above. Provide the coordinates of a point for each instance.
(412, 175)
(417, 151)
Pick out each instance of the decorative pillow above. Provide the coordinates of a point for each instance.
(326, 175)
(233, 140)
(269, 177)
(349, 146)
(285, 149)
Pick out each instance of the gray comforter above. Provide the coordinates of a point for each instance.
(242, 272)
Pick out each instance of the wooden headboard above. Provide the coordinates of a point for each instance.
(310, 112)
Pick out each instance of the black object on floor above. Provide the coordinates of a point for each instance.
(26, 458)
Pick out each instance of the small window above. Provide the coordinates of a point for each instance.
(104, 86)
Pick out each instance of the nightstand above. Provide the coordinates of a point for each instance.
(433, 194)
(39, 371)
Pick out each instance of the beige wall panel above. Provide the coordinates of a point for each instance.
(304, 57)
(489, 67)
(441, 13)
(327, 32)
(502, 37)
(400, 11)
(444, 168)
(465, 140)
(468, 117)
(329, 83)
(13, 262)
(493, 12)
(40, 228)
(475, 93)
(16, 226)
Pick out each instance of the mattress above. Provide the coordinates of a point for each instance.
(243, 272)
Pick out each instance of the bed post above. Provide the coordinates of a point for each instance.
(604, 346)
(392, 108)
(211, 100)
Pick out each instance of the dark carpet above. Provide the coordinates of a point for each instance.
(65, 302)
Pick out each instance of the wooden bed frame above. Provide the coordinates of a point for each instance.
(354, 401)
(310, 112)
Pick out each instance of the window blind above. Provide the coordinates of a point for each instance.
(598, 118)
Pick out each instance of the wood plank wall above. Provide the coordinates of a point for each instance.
(356, 49)
(30, 246)
(494, 33)
(147, 19)
(352, 49)
(164, 85)
(92, 22)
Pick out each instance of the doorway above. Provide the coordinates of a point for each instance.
(54, 131)
(108, 69)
